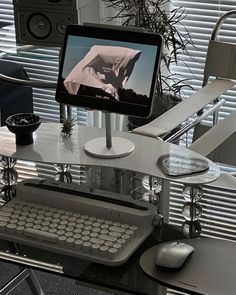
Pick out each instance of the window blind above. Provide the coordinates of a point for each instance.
(219, 205)
(41, 64)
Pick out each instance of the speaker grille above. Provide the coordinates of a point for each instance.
(43, 22)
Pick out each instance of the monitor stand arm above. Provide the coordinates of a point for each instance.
(109, 147)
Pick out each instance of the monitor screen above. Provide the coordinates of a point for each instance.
(109, 69)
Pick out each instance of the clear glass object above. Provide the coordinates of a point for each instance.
(62, 167)
(152, 183)
(8, 176)
(191, 229)
(197, 193)
(192, 211)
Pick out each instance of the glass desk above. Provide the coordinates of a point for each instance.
(50, 147)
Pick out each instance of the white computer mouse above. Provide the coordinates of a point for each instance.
(172, 254)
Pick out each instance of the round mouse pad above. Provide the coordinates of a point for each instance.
(209, 270)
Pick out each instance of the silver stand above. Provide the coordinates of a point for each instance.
(109, 147)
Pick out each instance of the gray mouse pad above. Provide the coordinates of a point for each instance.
(211, 269)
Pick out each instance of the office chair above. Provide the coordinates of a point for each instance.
(220, 67)
(219, 73)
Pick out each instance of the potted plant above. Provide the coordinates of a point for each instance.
(157, 16)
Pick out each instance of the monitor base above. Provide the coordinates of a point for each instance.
(120, 147)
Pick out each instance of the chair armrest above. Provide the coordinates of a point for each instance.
(215, 136)
(185, 109)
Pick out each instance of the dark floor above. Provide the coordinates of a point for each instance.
(51, 284)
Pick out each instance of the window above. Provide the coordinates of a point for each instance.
(219, 206)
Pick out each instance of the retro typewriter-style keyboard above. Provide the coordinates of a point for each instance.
(61, 218)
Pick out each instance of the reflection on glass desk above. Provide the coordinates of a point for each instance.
(50, 147)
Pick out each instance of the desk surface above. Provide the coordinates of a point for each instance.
(50, 147)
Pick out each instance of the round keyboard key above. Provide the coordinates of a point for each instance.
(85, 233)
(64, 217)
(104, 226)
(62, 239)
(96, 224)
(76, 215)
(115, 234)
(20, 229)
(133, 227)
(96, 229)
(104, 232)
(37, 221)
(84, 217)
(86, 246)
(78, 243)
(72, 219)
(29, 224)
(45, 223)
(77, 236)
(48, 218)
(117, 246)
(4, 213)
(48, 214)
(88, 227)
(14, 221)
(56, 215)
(103, 251)
(3, 224)
(68, 234)
(61, 226)
(72, 224)
(108, 222)
(85, 238)
(92, 218)
(77, 230)
(52, 230)
(40, 217)
(88, 222)
(8, 209)
(24, 218)
(130, 232)
(70, 241)
(125, 237)
(56, 220)
(100, 220)
(80, 221)
(69, 229)
(80, 225)
(61, 232)
(125, 226)
(4, 218)
(108, 244)
(121, 241)
(53, 210)
(11, 227)
(45, 228)
(97, 241)
(95, 248)
(112, 252)
(53, 225)
(64, 222)
(93, 235)
(30, 220)
(37, 226)
(22, 223)
(116, 223)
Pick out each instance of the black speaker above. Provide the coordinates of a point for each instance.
(43, 22)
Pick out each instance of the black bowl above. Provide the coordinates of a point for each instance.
(23, 125)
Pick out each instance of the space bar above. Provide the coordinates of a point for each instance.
(41, 235)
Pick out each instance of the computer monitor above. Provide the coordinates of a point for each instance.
(110, 69)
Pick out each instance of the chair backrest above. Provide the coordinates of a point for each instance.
(221, 56)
